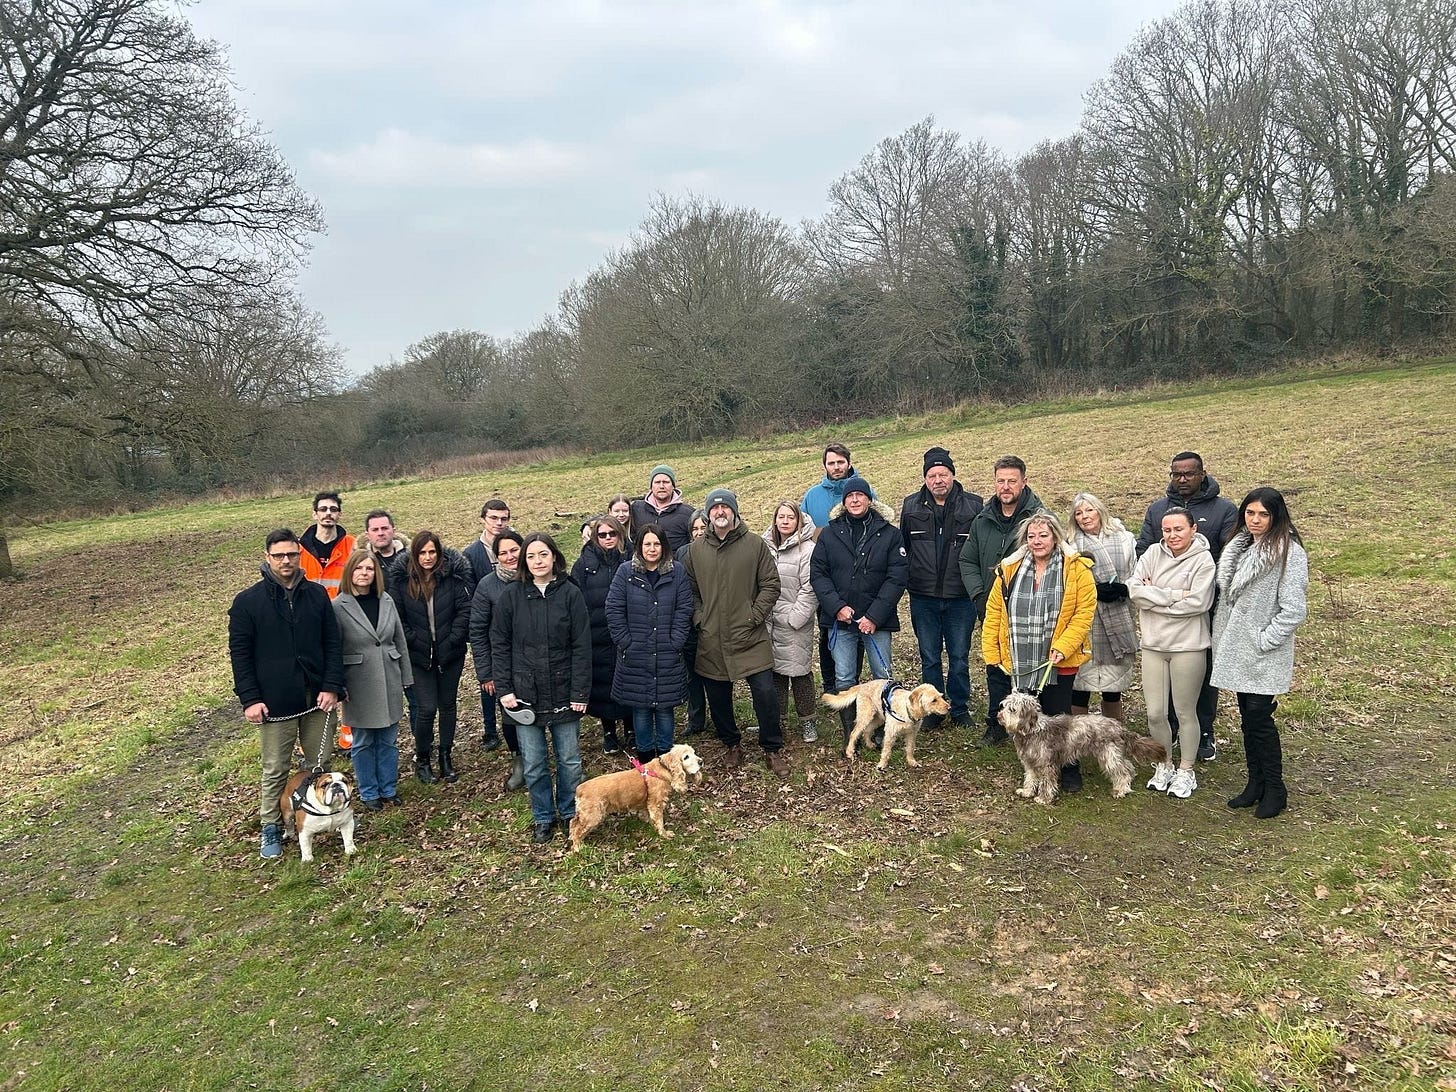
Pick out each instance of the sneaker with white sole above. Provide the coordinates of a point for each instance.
(1162, 777)
(1183, 784)
(811, 733)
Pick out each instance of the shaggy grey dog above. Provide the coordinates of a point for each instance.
(1046, 744)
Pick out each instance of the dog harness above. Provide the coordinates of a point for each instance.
(890, 687)
(300, 800)
(643, 770)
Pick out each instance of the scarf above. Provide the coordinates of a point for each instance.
(1031, 615)
(504, 575)
(1114, 629)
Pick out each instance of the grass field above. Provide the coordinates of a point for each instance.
(843, 930)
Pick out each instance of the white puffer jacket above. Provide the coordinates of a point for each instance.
(791, 625)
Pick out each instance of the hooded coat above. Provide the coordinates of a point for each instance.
(452, 614)
(867, 574)
(376, 663)
(593, 572)
(540, 646)
(650, 622)
(735, 585)
(675, 519)
(1173, 596)
(791, 624)
(1260, 605)
(1214, 516)
(820, 500)
(992, 537)
(1072, 631)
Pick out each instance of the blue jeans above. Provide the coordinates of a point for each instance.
(376, 761)
(566, 742)
(846, 643)
(945, 623)
(653, 729)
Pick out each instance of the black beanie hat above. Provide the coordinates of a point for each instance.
(938, 456)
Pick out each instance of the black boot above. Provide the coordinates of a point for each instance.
(422, 768)
(1271, 757)
(645, 757)
(846, 719)
(610, 743)
(447, 770)
(1254, 790)
(1070, 778)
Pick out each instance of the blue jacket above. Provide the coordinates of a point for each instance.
(869, 574)
(820, 500)
(650, 624)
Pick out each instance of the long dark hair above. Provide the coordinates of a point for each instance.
(523, 573)
(421, 580)
(1281, 528)
(655, 531)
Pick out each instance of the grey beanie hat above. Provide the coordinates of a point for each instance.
(721, 495)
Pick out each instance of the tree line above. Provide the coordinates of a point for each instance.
(1251, 178)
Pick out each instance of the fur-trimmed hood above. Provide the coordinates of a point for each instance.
(880, 508)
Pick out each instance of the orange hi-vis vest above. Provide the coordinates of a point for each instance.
(328, 575)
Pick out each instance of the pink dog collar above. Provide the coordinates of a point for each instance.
(643, 770)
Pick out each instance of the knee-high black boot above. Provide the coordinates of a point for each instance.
(1254, 790)
(847, 718)
(447, 748)
(1271, 755)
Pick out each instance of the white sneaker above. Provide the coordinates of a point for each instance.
(1183, 784)
(1162, 777)
(811, 734)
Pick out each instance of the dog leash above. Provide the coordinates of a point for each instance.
(643, 770)
(834, 635)
(318, 763)
(1047, 674)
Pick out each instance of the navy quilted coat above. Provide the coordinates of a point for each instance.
(649, 625)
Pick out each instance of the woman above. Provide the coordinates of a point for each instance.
(434, 605)
(620, 509)
(600, 558)
(650, 614)
(1113, 551)
(1263, 575)
(697, 697)
(541, 657)
(376, 671)
(791, 625)
(1039, 617)
(507, 551)
(1172, 587)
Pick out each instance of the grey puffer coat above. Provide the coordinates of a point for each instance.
(1260, 605)
(376, 663)
(791, 625)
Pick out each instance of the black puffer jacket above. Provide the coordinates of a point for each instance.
(1214, 516)
(540, 645)
(452, 615)
(935, 568)
(862, 567)
(285, 648)
(593, 573)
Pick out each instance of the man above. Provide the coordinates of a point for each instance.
(495, 517)
(288, 670)
(325, 546)
(384, 542)
(665, 507)
(993, 536)
(859, 571)
(935, 524)
(819, 501)
(735, 585)
(1214, 517)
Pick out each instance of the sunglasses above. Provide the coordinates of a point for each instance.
(328, 508)
(606, 534)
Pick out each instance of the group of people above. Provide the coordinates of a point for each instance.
(667, 604)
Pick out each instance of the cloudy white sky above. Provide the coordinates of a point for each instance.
(474, 157)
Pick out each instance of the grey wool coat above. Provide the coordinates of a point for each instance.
(1260, 604)
(376, 664)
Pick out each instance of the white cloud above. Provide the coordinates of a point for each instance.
(395, 157)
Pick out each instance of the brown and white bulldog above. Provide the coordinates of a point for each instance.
(316, 803)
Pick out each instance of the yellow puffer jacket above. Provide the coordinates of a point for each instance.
(1071, 636)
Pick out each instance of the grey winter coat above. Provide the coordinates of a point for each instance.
(791, 625)
(1260, 605)
(376, 663)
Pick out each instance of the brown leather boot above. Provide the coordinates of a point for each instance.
(777, 763)
(733, 757)
(1112, 709)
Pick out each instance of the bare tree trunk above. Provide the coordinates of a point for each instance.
(7, 570)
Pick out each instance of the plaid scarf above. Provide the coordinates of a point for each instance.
(1031, 614)
(1114, 630)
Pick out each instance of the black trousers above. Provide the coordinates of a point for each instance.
(1261, 737)
(437, 690)
(998, 688)
(765, 697)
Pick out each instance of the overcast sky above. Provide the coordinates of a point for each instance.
(474, 157)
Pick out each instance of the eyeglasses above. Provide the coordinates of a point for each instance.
(292, 555)
(1184, 473)
(328, 508)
